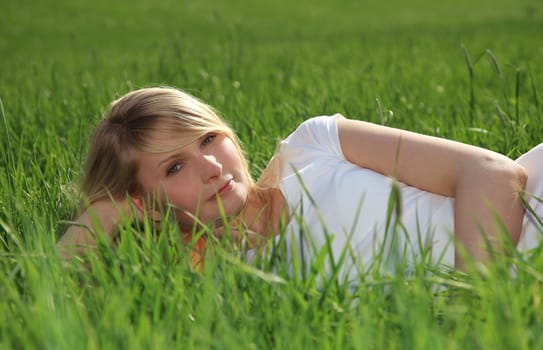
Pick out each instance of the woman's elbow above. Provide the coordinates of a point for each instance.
(515, 174)
(519, 176)
(499, 170)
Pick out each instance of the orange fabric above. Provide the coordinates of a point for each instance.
(197, 252)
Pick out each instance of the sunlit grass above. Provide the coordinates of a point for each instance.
(469, 72)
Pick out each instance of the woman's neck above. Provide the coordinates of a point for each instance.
(263, 215)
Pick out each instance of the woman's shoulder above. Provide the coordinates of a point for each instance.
(317, 124)
(319, 130)
(315, 138)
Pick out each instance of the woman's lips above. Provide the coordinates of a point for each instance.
(224, 189)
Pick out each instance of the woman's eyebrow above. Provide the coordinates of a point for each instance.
(170, 158)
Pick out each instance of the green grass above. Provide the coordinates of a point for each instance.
(266, 66)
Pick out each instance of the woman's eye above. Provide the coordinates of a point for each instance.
(208, 139)
(174, 169)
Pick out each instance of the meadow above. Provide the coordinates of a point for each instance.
(464, 70)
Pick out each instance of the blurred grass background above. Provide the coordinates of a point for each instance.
(266, 65)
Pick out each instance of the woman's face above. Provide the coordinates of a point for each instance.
(193, 178)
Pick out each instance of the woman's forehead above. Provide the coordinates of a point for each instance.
(170, 142)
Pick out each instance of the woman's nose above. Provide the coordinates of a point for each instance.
(211, 168)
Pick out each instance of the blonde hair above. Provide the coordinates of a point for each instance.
(135, 123)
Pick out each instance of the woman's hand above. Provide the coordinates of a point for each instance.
(101, 216)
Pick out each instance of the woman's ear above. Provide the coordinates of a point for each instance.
(143, 208)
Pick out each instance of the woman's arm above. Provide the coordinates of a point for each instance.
(483, 183)
(103, 215)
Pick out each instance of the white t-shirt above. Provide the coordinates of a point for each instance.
(336, 204)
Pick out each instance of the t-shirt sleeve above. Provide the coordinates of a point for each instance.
(319, 134)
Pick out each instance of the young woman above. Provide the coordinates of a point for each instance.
(330, 182)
